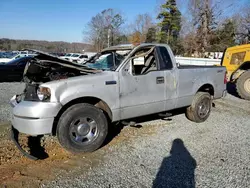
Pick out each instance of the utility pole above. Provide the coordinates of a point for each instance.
(108, 36)
(205, 20)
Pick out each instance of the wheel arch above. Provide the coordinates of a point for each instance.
(89, 100)
(206, 88)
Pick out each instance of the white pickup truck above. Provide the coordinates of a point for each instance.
(77, 103)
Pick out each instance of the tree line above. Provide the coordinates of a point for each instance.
(206, 26)
(62, 47)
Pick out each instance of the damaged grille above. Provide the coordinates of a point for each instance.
(30, 93)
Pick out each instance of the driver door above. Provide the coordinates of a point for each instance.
(142, 88)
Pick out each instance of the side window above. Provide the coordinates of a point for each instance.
(145, 62)
(83, 56)
(17, 57)
(164, 59)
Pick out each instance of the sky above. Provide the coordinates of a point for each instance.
(64, 20)
(60, 20)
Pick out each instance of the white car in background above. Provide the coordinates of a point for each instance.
(75, 57)
(78, 58)
(66, 56)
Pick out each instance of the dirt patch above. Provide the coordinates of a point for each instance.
(18, 171)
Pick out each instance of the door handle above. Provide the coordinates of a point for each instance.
(160, 80)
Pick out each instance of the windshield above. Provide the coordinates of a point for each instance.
(8, 55)
(68, 55)
(108, 61)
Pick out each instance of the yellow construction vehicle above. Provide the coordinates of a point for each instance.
(237, 62)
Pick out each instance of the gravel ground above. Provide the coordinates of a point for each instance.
(178, 154)
(7, 90)
(166, 153)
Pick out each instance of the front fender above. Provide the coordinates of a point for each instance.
(109, 94)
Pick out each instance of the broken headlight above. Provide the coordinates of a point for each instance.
(43, 93)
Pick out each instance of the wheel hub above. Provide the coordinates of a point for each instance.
(83, 129)
(203, 108)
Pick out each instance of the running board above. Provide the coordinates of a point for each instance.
(165, 115)
(130, 123)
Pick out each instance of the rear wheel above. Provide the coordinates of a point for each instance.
(243, 85)
(200, 108)
(82, 128)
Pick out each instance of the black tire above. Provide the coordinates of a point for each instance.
(241, 89)
(200, 108)
(77, 137)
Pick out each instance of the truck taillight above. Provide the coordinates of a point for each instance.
(225, 78)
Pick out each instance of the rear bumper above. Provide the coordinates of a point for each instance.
(220, 94)
(224, 94)
(34, 118)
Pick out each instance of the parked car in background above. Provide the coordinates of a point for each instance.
(7, 54)
(13, 70)
(66, 56)
(75, 57)
(57, 54)
(81, 59)
(15, 56)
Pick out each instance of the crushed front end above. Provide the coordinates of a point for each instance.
(33, 111)
(31, 116)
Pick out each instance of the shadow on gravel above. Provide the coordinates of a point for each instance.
(177, 170)
(231, 89)
(116, 128)
(34, 143)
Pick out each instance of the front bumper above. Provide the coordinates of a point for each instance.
(34, 118)
(31, 126)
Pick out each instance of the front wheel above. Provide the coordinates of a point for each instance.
(200, 108)
(82, 128)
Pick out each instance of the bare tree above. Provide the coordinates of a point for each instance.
(141, 25)
(244, 26)
(104, 28)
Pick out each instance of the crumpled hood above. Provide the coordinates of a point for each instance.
(60, 61)
(45, 67)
